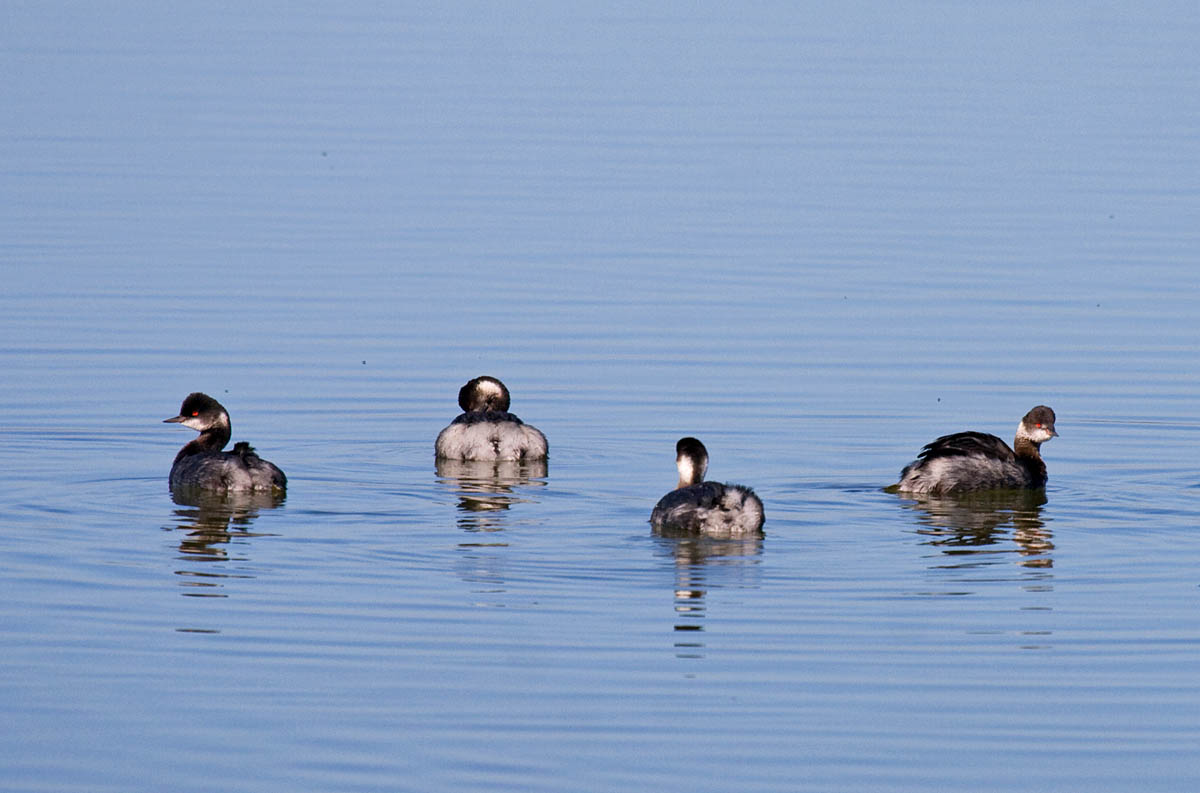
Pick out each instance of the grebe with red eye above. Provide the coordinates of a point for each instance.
(967, 461)
(710, 508)
(485, 430)
(202, 465)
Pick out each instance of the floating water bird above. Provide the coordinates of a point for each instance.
(711, 508)
(968, 461)
(202, 465)
(485, 430)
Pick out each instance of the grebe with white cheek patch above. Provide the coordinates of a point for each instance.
(711, 508)
(202, 465)
(969, 461)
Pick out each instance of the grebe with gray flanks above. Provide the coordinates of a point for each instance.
(711, 508)
(202, 465)
(968, 461)
(485, 430)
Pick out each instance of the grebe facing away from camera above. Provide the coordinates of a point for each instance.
(968, 461)
(202, 465)
(485, 430)
(706, 507)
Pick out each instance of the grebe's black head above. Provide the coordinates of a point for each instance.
(483, 393)
(691, 458)
(200, 412)
(1038, 425)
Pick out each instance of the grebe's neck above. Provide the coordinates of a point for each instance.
(1024, 447)
(691, 470)
(1024, 444)
(210, 440)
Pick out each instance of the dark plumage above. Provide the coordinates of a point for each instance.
(202, 465)
(484, 394)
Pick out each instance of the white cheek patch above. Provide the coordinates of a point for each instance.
(687, 471)
(691, 471)
(1035, 434)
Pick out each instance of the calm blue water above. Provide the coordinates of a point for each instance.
(815, 237)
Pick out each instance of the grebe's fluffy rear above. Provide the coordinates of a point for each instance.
(967, 461)
(201, 464)
(485, 430)
(712, 508)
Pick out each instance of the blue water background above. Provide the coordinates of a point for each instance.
(815, 236)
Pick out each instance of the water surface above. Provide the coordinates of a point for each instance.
(816, 238)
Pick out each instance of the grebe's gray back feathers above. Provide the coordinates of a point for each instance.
(260, 469)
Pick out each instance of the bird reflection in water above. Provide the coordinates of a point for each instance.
(487, 489)
(974, 525)
(697, 559)
(211, 522)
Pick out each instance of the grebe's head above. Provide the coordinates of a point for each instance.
(483, 393)
(691, 458)
(200, 412)
(1038, 425)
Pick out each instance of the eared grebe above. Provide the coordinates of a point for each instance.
(707, 507)
(485, 430)
(201, 465)
(967, 461)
